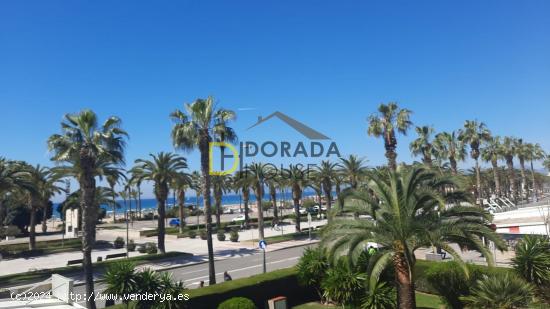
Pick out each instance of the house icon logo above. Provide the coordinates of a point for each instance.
(295, 124)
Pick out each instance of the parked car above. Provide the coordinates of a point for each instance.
(227, 211)
(174, 222)
(238, 219)
(302, 211)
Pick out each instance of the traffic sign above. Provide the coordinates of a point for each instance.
(262, 244)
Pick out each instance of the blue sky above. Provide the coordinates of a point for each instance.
(325, 63)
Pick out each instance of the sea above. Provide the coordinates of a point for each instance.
(227, 199)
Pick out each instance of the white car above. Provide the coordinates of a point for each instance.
(238, 219)
(302, 211)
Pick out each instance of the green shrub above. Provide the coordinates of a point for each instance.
(532, 261)
(312, 268)
(118, 243)
(202, 234)
(192, 234)
(381, 296)
(151, 248)
(131, 246)
(142, 248)
(234, 235)
(12, 231)
(237, 303)
(221, 235)
(451, 282)
(342, 285)
(500, 291)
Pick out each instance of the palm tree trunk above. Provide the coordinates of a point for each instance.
(340, 201)
(297, 213)
(32, 227)
(114, 204)
(45, 217)
(161, 209)
(454, 166)
(89, 218)
(392, 159)
(496, 176)
(181, 201)
(260, 213)
(534, 182)
(246, 198)
(478, 183)
(205, 170)
(218, 202)
(511, 177)
(405, 286)
(328, 197)
(273, 193)
(139, 199)
(523, 178)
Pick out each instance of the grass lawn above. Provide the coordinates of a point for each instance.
(425, 301)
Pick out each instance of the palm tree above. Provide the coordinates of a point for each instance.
(84, 146)
(491, 153)
(534, 153)
(352, 170)
(43, 187)
(162, 170)
(114, 179)
(136, 181)
(475, 133)
(509, 152)
(411, 212)
(121, 279)
(297, 180)
(196, 185)
(13, 177)
(449, 146)
(181, 183)
(532, 260)
(257, 174)
(326, 172)
(220, 185)
(384, 124)
(273, 181)
(422, 145)
(195, 130)
(522, 152)
(242, 183)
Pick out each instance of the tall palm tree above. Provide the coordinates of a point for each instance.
(196, 129)
(162, 169)
(83, 147)
(411, 212)
(220, 185)
(384, 124)
(475, 133)
(326, 172)
(491, 153)
(423, 144)
(242, 183)
(196, 185)
(44, 186)
(534, 153)
(114, 179)
(450, 147)
(297, 179)
(508, 153)
(352, 170)
(136, 181)
(522, 152)
(273, 182)
(257, 174)
(181, 183)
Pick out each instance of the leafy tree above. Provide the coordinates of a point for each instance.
(86, 150)
(162, 170)
(410, 207)
(196, 129)
(390, 118)
(352, 169)
(237, 303)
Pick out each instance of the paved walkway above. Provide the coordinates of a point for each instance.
(196, 246)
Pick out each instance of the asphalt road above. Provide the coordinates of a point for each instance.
(238, 267)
